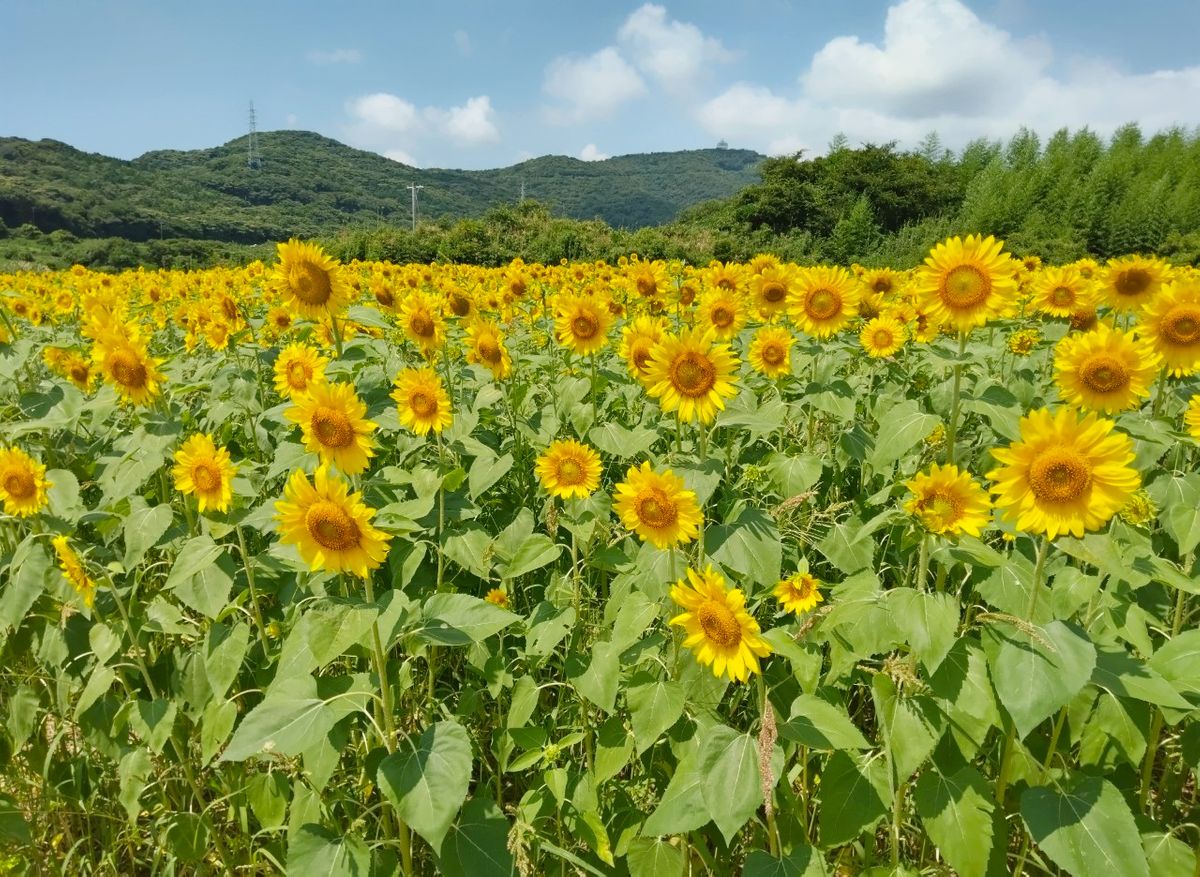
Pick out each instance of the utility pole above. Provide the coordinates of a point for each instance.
(522, 201)
(253, 157)
(412, 187)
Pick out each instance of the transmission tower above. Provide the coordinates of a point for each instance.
(414, 188)
(253, 156)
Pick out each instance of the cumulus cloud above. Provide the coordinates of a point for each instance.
(393, 126)
(673, 52)
(592, 153)
(335, 56)
(590, 87)
(940, 67)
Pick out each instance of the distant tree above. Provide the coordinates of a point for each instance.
(839, 142)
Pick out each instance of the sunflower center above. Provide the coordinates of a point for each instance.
(821, 304)
(331, 427)
(128, 370)
(584, 326)
(331, 527)
(206, 476)
(656, 509)
(517, 286)
(297, 375)
(421, 325)
(882, 285)
(727, 283)
(1104, 374)
(772, 354)
(489, 350)
(423, 404)
(1182, 325)
(641, 357)
(773, 292)
(1062, 296)
(282, 320)
(570, 472)
(646, 285)
(965, 287)
(692, 374)
(722, 317)
(310, 283)
(79, 373)
(719, 624)
(1135, 281)
(883, 338)
(805, 587)
(19, 484)
(460, 304)
(941, 508)
(384, 297)
(1059, 475)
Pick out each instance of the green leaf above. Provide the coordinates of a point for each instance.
(22, 714)
(749, 544)
(957, 812)
(852, 791)
(1124, 676)
(654, 857)
(802, 861)
(653, 708)
(470, 549)
(818, 724)
(188, 836)
(13, 828)
(215, 726)
(144, 526)
(614, 440)
(202, 576)
(317, 851)
(153, 721)
(911, 725)
(1086, 829)
(614, 747)
(793, 475)
(477, 845)
(335, 626)
(224, 649)
(294, 714)
(928, 622)
(1036, 677)
(1179, 499)
(460, 619)
(963, 687)
(63, 495)
(682, 807)
(427, 778)
(30, 575)
(901, 428)
(268, 794)
(534, 552)
(849, 545)
(1177, 661)
(132, 772)
(598, 683)
(732, 786)
(486, 471)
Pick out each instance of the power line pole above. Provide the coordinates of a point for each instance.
(412, 187)
(253, 158)
(522, 201)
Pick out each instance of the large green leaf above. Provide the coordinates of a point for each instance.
(682, 807)
(144, 526)
(427, 777)
(749, 544)
(224, 649)
(460, 619)
(653, 708)
(957, 812)
(1034, 677)
(911, 725)
(1085, 828)
(294, 713)
(477, 844)
(928, 622)
(335, 626)
(202, 576)
(732, 785)
(802, 861)
(319, 852)
(654, 857)
(902, 427)
(1178, 661)
(818, 724)
(853, 790)
(30, 576)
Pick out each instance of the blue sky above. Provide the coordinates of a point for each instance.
(486, 84)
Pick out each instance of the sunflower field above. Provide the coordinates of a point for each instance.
(638, 568)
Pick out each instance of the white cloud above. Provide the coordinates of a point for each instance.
(473, 122)
(590, 87)
(335, 56)
(592, 153)
(462, 42)
(385, 112)
(940, 67)
(292, 119)
(673, 52)
(401, 156)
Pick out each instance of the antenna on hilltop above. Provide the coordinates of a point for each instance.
(253, 156)
(522, 201)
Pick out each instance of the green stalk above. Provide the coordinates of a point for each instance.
(337, 334)
(258, 619)
(1160, 393)
(952, 428)
(922, 564)
(1156, 724)
(703, 459)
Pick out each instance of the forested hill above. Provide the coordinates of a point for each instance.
(310, 185)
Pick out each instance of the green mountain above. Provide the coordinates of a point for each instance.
(309, 185)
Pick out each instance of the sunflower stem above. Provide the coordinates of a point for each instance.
(703, 459)
(249, 566)
(336, 332)
(952, 429)
(922, 564)
(1160, 393)
(1156, 724)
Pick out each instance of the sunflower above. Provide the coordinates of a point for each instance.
(657, 506)
(648, 279)
(723, 311)
(823, 300)
(769, 289)
(297, 368)
(485, 347)
(310, 281)
(799, 594)
(329, 525)
(1191, 417)
(73, 570)
(771, 351)
(727, 277)
(964, 283)
(882, 336)
(422, 401)
(1059, 292)
(692, 375)
(497, 597)
(569, 469)
(582, 323)
(1129, 283)
(23, 483)
(1023, 341)
(638, 338)
(130, 369)
(1064, 475)
(883, 282)
(717, 627)
(1172, 322)
(422, 321)
(205, 470)
(948, 501)
(1106, 369)
(331, 420)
